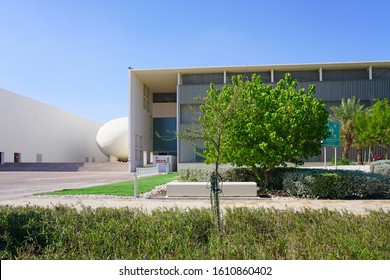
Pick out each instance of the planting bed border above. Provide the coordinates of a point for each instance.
(202, 189)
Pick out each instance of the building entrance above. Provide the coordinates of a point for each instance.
(16, 157)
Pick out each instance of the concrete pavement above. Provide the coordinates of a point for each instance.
(17, 189)
(21, 184)
(355, 206)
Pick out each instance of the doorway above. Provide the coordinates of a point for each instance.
(1, 157)
(16, 157)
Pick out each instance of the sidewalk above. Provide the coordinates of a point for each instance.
(355, 206)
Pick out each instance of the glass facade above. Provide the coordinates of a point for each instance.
(164, 138)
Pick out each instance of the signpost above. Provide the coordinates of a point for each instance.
(333, 140)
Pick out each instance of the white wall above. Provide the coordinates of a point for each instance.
(139, 124)
(30, 127)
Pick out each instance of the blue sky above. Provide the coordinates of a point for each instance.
(74, 54)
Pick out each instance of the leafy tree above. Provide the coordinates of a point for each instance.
(217, 109)
(366, 131)
(346, 115)
(381, 116)
(264, 126)
(215, 129)
(373, 126)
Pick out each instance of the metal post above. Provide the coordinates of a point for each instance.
(135, 185)
(214, 196)
(335, 157)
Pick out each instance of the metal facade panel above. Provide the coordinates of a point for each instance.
(381, 73)
(190, 93)
(303, 76)
(199, 79)
(265, 76)
(361, 89)
(347, 74)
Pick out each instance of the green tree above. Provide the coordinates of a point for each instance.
(346, 115)
(373, 126)
(366, 131)
(215, 129)
(381, 116)
(215, 121)
(268, 126)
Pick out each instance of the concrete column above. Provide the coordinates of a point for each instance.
(320, 74)
(131, 156)
(145, 158)
(224, 77)
(272, 75)
(178, 121)
(370, 73)
(179, 78)
(151, 157)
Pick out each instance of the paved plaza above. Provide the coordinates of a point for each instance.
(21, 184)
(19, 189)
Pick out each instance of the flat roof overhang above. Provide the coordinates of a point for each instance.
(165, 80)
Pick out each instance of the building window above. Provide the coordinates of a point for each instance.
(164, 97)
(202, 79)
(265, 76)
(147, 99)
(381, 73)
(344, 75)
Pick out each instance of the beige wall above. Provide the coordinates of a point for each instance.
(32, 128)
(164, 110)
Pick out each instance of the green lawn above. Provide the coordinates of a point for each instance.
(121, 188)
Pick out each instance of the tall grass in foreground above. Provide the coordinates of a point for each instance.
(129, 233)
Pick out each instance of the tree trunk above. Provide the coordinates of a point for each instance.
(360, 155)
(386, 151)
(266, 178)
(369, 154)
(345, 152)
(347, 143)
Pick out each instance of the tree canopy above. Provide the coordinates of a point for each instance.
(373, 125)
(249, 123)
(346, 114)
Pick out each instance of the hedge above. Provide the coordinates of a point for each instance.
(381, 167)
(336, 184)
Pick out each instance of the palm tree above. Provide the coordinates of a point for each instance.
(346, 115)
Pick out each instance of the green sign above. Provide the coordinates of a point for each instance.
(334, 138)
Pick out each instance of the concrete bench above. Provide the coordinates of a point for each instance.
(199, 189)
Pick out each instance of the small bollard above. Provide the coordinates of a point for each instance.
(135, 185)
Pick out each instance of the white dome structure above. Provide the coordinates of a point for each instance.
(112, 139)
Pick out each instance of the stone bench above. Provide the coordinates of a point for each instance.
(200, 189)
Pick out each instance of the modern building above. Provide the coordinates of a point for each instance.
(32, 131)
(164, 100)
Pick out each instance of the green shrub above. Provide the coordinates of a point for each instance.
(63, 233)
(275, 177)
(195, 174)
(383, 169)
(343, 161)
(336, 184)
(375, 164)
(227, 174)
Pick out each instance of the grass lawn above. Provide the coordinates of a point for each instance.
(121, 188)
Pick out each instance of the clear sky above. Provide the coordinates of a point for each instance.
(74, 54)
